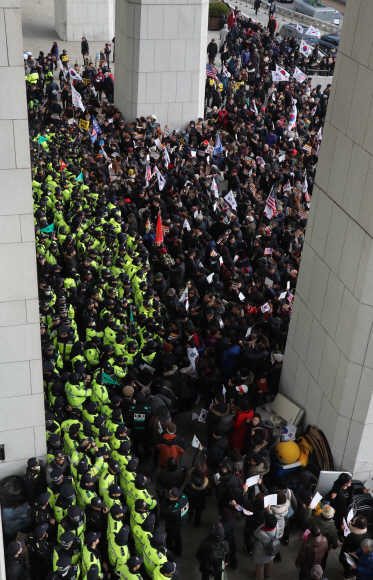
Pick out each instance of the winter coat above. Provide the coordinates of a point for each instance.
(229, 489)
(239, 426)
(215, 415)
(326, 527)
(339, 503)
(311, 552)
(196, 491)
(364, 567)
(177, 275)
(217, 451)
(263, 537)
(207, 546)
(281, 511)
(260, 469)
(229, 360)
(170, 446)
(352, 542)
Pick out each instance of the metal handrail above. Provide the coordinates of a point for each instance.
(294, 16)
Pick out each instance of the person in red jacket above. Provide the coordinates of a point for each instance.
(231, 20)
(170, 445)
(239, 425)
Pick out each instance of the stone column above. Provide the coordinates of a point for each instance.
(160, 59)
(21, 384)
(92, 19)
(328, 366)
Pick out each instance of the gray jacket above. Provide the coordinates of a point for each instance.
(262, 539)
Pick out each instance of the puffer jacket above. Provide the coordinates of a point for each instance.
(311, 552)
(263, 537)
(281, 511)
(196, 490)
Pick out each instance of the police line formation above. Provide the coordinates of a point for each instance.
(167, 266)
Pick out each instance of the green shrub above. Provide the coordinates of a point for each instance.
(217, 9)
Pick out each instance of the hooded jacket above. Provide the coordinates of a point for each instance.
(326, 527)
(311, 552)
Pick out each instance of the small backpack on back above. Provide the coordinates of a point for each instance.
(273, 547)
(215, 560)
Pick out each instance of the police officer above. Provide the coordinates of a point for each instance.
(139, 513)
(55, 486)
(118, 547)
(137, 490)
(175, 512)
(34, 479)
(115, 519)
(44, 514)
(85, 491)
(128, 475)
(155, 553)
(71, 439)
(91, 554)
(15, 562)
(65, 499)
(74, 521)
(54, 444)
(138, 416)
(97, 516)
(70, 546)
(39, 553)
(65, 570)
(109, 476)
(60, 460)
(113, 495)
(143, 532)
(164, 571)
(130, 570)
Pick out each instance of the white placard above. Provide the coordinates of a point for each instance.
(195, 442)
(270, 499)
(241, 297)
(283, 295)
(194, 416)
(350, 515)
(252, 480)
(316, 500)
(346, 529)
(268, 282)
(350, 560)
(248, 332)
(288, 285)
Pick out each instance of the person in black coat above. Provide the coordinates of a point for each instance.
(229, 488)
(84, 47)
(359, 532)
(196, 491)
(228, 520)
(160, 286)
(15, 562)
(213, 543)
(34, 479)
(212, 49)
(340, 497)
(177, 273)
(108, 87)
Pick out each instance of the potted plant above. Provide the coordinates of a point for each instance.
(216, 11)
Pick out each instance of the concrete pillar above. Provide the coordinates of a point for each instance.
(160, 59)
(77, 18)
(21, 384)
(328, 366)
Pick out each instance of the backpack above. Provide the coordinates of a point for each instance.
(215, 559)
(273, 548)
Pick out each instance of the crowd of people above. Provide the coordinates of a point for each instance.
(167, 266)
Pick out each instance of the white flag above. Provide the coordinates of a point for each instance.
(319, 134)
(186, 225)
(161, 179)
(209, 278)
(253, 108)
(166, 158)
(74, 75)
(214, 188)
(231, 199)
(77, 99)
(313, 32)
(299, 28)
(63, 69)
(284, 75)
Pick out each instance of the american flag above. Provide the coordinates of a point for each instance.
(211, 72)
(270, 208)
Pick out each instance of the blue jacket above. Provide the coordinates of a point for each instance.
(364, 568)
(229, 360)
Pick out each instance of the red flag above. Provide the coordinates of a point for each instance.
(158, 231)
(63, 165)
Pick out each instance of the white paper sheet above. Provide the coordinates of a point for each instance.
(316, 500)
(270, 499)
(252, 480)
